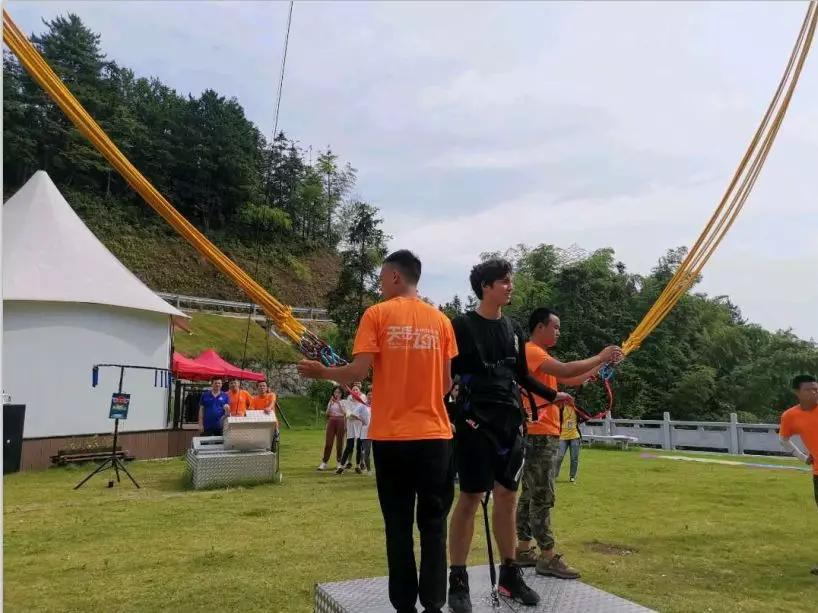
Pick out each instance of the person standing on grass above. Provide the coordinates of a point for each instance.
(240, 400)
(336, 427)
(489, 423)
(802, 420)
(365, 465)
(213, 407)
(570, 442)
(538, 495)
(265, 400)
(409, 345)
(357, 419)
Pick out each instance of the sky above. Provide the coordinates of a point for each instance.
(478, 126)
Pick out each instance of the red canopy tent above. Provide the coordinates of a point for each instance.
(186, 368)
(212, 360)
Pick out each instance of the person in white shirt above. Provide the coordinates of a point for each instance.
(357, 417)
(365, 465)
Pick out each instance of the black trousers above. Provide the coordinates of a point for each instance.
(353, 444)
(406, 471)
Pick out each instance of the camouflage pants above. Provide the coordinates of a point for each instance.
(537, 497)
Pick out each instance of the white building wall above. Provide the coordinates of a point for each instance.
(49, 349)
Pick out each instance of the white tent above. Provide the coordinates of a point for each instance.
(68, 304)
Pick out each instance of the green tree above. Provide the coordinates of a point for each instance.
(337, 181)
(364, 248)
(453, 308)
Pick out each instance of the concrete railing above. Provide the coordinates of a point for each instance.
(180, 301)
(724, 436)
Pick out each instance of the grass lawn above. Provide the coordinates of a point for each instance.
(675, 536)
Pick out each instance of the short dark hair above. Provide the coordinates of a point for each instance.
(407, 263)
(799, 380)
(486, 273)
(542, 315)
(219, 379)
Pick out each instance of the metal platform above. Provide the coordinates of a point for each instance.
(211, 465)
(370, 596)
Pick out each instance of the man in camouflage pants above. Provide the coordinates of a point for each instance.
(537, 498)
(534, 509)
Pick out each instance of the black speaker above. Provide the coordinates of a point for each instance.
(13, 418)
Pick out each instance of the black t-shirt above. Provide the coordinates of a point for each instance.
(498, 341)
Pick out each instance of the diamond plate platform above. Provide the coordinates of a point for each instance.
(370, 596)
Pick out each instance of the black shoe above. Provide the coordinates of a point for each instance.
(459, 601)
(511, 585)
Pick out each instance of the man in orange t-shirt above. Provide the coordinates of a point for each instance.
(240, 400)
(265, 400)
(538, 491)
(802, 419)
(409, 345)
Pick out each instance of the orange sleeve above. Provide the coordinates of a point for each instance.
(450, 343)
(535, 357)
(366, 339)
(786, 430)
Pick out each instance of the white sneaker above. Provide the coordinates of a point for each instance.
(572, 479)
(322, 466)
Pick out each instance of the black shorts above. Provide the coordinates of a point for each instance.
(480, 464)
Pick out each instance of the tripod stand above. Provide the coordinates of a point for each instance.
(114, 461)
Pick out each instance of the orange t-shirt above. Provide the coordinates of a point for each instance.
(261, 402)
(796, 420)
(548, 422)
(412, 342)
(239, 402)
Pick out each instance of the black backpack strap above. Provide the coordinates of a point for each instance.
(475, 335)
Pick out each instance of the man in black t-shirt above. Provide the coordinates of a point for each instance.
(489, 421)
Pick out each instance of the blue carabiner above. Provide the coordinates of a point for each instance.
(606, 373)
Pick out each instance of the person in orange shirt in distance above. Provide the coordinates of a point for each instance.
(265, 400)
(802, 419)
(240, 400)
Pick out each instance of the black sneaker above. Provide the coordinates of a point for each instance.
(511, 585)
(459, 601)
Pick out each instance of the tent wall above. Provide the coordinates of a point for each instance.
(49, 349)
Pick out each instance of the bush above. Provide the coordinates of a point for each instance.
(320, 392)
